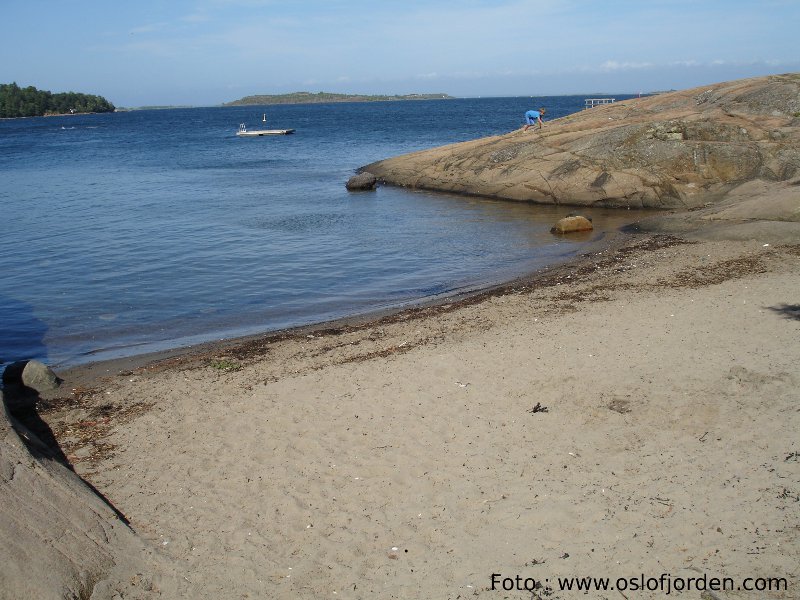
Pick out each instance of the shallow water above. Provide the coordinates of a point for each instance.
(148, 230)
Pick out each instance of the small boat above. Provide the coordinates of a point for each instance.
(244, 132)
(264, 120)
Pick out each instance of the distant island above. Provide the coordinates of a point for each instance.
(153, 107)
(30, 102)
(326, 97)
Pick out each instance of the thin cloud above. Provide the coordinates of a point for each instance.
(149, 28)
(613, 65)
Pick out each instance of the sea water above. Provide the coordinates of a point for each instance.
(147, 230)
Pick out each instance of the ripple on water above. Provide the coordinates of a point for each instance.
(144, 230)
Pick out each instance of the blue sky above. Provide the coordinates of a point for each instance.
(205, 52)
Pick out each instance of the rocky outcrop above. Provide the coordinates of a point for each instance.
(59, 538)
(675, 150)
(767, 211)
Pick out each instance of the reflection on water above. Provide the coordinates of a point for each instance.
(23, 334)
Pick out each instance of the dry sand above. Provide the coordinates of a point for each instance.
(633, 413)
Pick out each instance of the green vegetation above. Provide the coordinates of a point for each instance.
(226, 365)
(30, 102)
(320, 97)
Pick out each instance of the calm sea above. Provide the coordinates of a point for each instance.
(133, 232)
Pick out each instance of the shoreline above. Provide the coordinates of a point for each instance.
(75, 114)
(248, 344)
(633, 411)
(597, 240)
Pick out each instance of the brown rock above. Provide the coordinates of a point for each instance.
(572, 224)
(767, 211)
(675, 150)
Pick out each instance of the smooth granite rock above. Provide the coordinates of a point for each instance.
(59, 539)
(676, 150)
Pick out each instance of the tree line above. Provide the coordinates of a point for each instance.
(30, 102)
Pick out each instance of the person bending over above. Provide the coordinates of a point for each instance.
(532, 117)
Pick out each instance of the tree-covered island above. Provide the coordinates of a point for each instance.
(30, 102)
(326, 97)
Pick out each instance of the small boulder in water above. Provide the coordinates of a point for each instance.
(362, 181)
(572, 224)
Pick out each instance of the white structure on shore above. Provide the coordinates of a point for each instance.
(592, 102)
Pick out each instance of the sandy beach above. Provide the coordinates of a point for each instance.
(629, 415)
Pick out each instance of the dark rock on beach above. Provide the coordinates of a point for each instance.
(25, 381)
(31, 374)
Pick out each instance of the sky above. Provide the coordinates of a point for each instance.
(206, 52)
